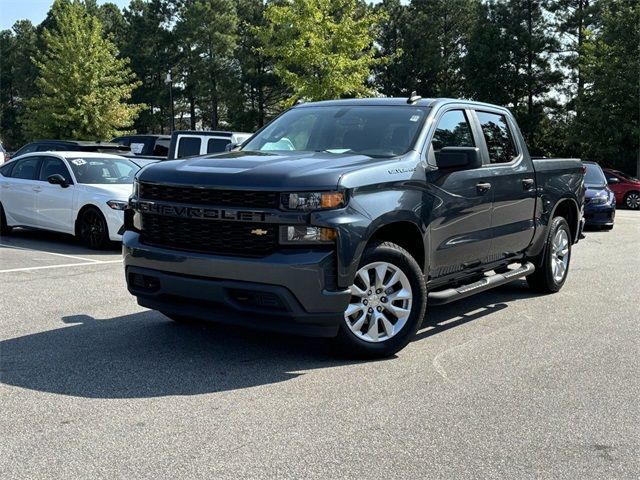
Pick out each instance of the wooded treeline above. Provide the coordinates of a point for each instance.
(568, 69)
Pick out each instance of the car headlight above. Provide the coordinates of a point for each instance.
(308, 201)
(599, 200)
(118, 204)
(303, 234)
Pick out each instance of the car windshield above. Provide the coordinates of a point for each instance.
(594, 176)
(99, 170)
(376, 131)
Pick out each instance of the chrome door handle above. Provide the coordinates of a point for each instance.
(483, 186)
(528, 183)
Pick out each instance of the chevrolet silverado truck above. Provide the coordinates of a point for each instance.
(344, 218)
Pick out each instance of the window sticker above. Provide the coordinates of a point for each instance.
(79, 161)
(414, 118)
(137, 148)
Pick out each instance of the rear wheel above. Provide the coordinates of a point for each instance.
(550, 276)
(388, 300)
(92, 229)
(632, 200)
(4, 228)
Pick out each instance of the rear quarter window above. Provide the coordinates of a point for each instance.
(188, 147)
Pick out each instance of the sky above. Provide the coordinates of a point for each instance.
(34, 10)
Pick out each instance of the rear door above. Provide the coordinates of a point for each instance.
(510, 172)
(54, 204)
(460, 224)
(19, 192)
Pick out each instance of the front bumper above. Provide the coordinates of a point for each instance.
(289, 291)
(601, 215)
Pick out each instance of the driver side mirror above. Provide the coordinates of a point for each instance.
(57, 179)
(458, 158)
(230, 147)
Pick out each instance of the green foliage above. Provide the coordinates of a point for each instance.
(82, 86)
(611, 66)
(17, 76)
(207, 31)
(322, 48)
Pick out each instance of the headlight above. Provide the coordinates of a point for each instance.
(117, 204)
(599, 200)
(313, 200)
(301, 235)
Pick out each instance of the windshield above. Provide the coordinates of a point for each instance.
(594, 177)
(383, 131)
(97, 170)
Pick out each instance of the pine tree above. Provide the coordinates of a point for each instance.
(82, 87)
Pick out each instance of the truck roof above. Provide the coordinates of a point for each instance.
(394, 101)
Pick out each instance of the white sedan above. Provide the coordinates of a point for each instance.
(81, 193)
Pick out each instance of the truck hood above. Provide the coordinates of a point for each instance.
(260, 170)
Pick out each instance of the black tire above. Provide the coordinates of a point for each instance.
(632, 200)
(542, 280)
(4, 228)
(92, 229)
(349, 343)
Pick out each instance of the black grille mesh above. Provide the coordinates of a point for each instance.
(207, 196)
(209, 236)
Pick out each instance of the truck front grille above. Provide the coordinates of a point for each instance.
(209, 236)
(208, 196)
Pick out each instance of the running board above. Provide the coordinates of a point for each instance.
(450, 294)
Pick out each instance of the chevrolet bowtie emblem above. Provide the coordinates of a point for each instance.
(259, 231)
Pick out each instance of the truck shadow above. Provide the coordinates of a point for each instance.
(145, 355)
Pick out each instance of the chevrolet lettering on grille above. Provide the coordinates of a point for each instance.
(204, 213)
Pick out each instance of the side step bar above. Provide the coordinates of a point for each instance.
(450, 294)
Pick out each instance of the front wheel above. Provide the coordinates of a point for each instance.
(92, 230)
(550, 276)
(632, 200)
(388, 300)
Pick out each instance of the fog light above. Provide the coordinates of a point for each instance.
(307, 235)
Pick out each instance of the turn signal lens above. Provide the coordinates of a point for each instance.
(308, 201)
(332, 200)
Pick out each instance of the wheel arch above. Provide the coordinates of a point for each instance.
(84, 208)
(405, 234)
(568, 209)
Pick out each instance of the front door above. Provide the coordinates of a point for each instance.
(54, 203)
(460, 224)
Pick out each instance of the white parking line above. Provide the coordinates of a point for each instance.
(27, 269)
(48, 253)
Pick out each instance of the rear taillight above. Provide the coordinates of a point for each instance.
(584, 169)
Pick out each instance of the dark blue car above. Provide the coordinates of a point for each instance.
(599, 202)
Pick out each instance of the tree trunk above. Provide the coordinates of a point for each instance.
(214, 105)
(192, 112)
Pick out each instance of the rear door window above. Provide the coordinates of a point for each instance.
(26, 169)
(188, 147)
(217, 145)
(498, 136)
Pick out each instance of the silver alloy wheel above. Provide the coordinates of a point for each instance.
(560, 255)
(633, 200)
(381, 299)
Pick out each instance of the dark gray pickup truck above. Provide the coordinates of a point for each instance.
(344, 218)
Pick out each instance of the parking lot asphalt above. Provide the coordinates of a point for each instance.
(506, 384)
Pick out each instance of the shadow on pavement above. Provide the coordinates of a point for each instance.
(53, 242)
(145, 355)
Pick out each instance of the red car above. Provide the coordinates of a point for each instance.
(625, 187)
